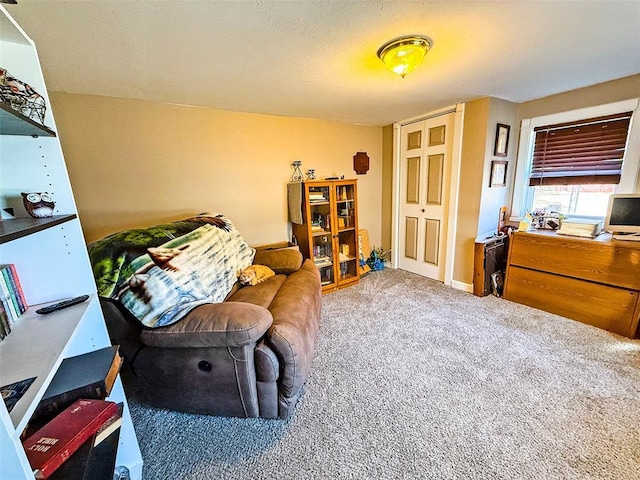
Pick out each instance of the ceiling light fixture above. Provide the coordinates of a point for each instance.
(404, 54)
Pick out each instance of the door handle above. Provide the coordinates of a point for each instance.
(423, 210)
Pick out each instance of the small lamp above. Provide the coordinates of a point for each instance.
(404, 54)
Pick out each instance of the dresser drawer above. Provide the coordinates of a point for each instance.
(602, 306)
(607, 262)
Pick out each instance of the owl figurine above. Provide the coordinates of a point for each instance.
(38, 205)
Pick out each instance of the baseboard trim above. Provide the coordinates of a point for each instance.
(467, 287)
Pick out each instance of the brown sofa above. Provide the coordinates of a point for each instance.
(248, 356)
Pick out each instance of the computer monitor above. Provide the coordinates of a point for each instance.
(623, 215)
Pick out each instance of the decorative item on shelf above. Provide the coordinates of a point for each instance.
(38, 204)
(402, 55)
(361, 163)
(21, 97)
(334, 176)
(502, 140)
(296, 176)
(311, 174)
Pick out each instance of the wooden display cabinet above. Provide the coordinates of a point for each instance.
(329, 232)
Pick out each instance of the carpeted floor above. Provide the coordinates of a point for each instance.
(415, 380)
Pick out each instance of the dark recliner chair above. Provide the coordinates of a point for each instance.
(248, 356)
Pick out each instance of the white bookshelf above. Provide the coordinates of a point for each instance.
(51, 260)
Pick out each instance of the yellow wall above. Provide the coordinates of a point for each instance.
(608, 92)
(136, 163)
(479, 203)
(474, 138)
(387, 185)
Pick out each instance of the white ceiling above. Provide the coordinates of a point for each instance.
(317, 59)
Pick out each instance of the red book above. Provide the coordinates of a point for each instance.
(49, 447)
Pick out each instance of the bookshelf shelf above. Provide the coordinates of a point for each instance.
(19, 360)
(14, 123)
(16, 228)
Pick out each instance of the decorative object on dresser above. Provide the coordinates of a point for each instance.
(245, 352)
(329, 220)
(592, 280)
(581, 228)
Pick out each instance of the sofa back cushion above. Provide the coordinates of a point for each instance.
(261, 294)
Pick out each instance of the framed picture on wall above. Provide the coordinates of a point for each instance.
(498, 173)
(502, 140)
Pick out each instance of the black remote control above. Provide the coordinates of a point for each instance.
(62, 304)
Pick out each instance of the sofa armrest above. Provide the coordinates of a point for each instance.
(227, 324)
(296, 313)
(284, 260)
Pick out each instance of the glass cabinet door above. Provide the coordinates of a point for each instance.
(347, 227)
(322, 232)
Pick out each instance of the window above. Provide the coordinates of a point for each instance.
(575, 160)
(576, 165)
(578, 200)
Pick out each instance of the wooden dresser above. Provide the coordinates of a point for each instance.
(595, 281)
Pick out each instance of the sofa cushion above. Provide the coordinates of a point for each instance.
(261, 294)
(228, 324)
(284, 260)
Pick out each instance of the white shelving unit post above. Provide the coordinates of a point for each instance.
(51, 260)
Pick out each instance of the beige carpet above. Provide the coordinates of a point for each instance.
(415, 380)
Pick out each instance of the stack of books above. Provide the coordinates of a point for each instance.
(90, 375)
(322, 261)
(74, 432)
(581, 228)
(12, 301)
(76, 442)
(317, 197)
